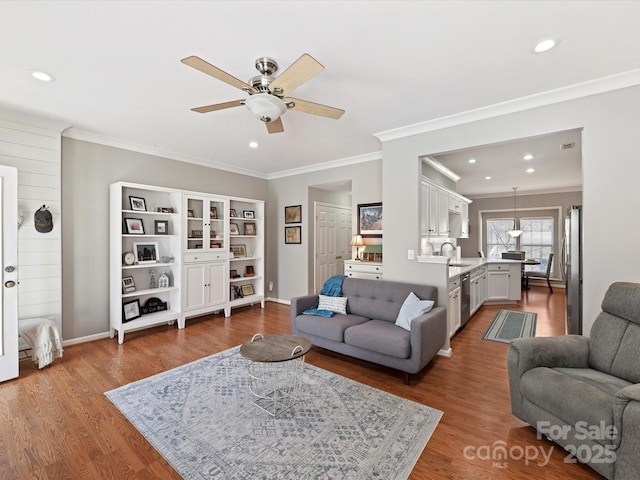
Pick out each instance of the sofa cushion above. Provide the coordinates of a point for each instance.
(412, 308)
(331, 328)
(555, 390)
(333, 304)
(380, 336)
(381, 299)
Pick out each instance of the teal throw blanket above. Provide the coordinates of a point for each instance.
(331, 288)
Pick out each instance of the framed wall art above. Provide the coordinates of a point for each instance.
(293, 214)
(134, 226)
(370, 220)
(293, 234)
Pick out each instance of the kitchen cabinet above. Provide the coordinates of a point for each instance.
(454, 306)
(478, 288)
(443, 213)
(503, 281)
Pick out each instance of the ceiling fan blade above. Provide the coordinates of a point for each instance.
(218, 106)
(303, 69)
(275, 126)
(313, 108)
(215, 72)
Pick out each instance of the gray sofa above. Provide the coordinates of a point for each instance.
(368, 330)
(584, 393)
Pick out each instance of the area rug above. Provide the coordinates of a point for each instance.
(200, 418)
(510, 324)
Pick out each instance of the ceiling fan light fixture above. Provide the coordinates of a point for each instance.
(265, 107)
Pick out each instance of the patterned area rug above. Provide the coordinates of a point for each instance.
(201, 418)
(510, 324)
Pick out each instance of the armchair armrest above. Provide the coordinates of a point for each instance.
(626, 411)
(570, 351)
(428, 335)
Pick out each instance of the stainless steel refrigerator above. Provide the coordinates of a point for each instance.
(572, 268)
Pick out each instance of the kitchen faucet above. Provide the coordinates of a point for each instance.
(446, 243)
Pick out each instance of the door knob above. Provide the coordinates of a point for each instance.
(9, 283)
(9, 269)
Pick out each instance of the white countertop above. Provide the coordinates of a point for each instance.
(465, 264)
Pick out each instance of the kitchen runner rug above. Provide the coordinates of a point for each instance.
(201, 418)
(510, 324)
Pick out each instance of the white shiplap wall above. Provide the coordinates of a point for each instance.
(33, 146)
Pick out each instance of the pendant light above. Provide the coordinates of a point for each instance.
(516, 232)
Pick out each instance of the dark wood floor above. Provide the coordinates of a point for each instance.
(56, 423)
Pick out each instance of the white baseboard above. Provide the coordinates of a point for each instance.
(88, 338)
(278, 300)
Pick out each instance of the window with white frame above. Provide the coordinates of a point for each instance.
(498, 240)
(538, 240)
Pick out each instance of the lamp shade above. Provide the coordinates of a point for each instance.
(356, 241)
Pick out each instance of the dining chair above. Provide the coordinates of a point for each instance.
(546, 274)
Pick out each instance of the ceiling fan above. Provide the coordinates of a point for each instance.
(267, 94)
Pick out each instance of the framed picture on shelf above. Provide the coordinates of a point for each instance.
(370, 220)
(249, 228)
(128, 285)
(293, 214)
(293, 234)
(233, 229)
(247, 290)
(213, 213)
(131, 310)
(248, 271)
(162, 227)
(239, 250)
(233, 274)
(146, 252)
(137, 203)
(248, 214)
(134, 226)
(191, 213)
(233, 213)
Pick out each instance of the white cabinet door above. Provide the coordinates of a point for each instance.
(464, 220)
(217, 283)
(443, 213)
(453, 311)
(433, 211)
(424, 209)
(195, 285)
(498, 285)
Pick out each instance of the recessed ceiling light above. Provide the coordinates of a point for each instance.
(253, 144)
(487, 178)
(528, 156)
(472, 160)
(42, 76)
(531, 170)
(545, 45)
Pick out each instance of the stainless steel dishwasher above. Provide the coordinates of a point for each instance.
(465, 298)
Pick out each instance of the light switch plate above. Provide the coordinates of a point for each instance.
(411, 254)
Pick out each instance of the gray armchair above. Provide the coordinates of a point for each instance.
(584, 393)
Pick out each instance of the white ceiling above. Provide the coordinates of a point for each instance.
(389, 64)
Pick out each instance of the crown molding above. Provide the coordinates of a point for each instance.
(550, 97)
(83, 135)
(343, 162)
(524, 193)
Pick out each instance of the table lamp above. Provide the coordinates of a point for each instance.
(357, 241)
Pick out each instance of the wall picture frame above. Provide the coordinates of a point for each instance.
(293, 214)
(146, 252)
(292, 235)
(238, 250)
(370, 220)
(137, 203)
(162, 227)
(131, 310)
(249, 228)
(134, 226)
(247, 289)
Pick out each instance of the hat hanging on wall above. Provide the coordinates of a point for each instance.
(43, 220)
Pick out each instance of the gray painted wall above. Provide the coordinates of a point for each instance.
(289, 266)
(87, 171)
(611, 198)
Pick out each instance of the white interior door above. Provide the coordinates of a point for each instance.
(333, 232)
(9, 254)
